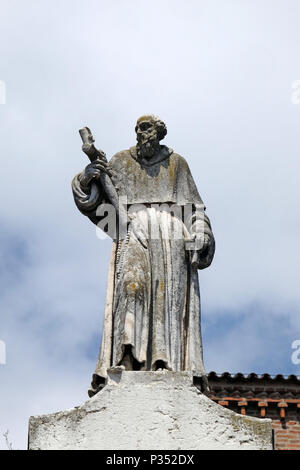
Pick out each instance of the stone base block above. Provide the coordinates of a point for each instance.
(149, 410)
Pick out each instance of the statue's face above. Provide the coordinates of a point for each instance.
(145, 132)
(146, 135)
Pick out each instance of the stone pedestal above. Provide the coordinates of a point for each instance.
(149, 410)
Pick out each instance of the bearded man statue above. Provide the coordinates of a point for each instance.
(152, 312)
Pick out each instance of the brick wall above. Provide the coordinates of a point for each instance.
(277, 398)
(286, 434)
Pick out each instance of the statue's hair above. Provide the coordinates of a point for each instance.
(159, 124)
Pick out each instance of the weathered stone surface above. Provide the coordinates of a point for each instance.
(146, 199)
(149, 410)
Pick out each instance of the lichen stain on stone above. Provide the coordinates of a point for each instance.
(172, 171)
(261, 430)
(133, 287)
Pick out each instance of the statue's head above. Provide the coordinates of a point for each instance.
(150, 130)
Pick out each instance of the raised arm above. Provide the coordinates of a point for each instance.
(87, 191)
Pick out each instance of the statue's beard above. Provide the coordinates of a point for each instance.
(148, 145)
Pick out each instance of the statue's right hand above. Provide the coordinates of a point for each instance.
(92, 171)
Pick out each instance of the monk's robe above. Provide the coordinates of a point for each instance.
(153, 300)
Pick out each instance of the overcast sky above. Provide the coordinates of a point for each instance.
(220, 74)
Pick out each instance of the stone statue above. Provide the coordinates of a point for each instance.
(152, 312)
(150, 358)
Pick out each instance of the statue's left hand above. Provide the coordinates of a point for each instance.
(201, 241)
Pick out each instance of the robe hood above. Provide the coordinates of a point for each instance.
(167, 178)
